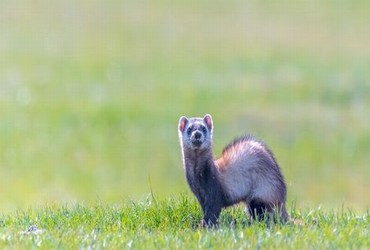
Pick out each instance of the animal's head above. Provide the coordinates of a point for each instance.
(196, 133)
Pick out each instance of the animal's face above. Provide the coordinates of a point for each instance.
(196, 133)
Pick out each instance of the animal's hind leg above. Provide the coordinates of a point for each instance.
(258, 208)
(280, 213)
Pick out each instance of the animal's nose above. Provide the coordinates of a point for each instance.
(197, 135)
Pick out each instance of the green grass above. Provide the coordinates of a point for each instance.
(173, 224)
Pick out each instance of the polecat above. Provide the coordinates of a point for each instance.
(246, 172)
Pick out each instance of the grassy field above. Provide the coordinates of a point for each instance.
(91, 93)
(173, 224)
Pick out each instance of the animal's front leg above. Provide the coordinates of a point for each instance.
(211, 214)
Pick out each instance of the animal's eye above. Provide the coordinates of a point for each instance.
(188, 131)
(204, 130)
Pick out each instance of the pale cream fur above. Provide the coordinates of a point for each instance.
(242, 175)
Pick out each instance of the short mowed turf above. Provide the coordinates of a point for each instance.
(173, 224)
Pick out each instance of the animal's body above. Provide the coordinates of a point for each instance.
(246, 172)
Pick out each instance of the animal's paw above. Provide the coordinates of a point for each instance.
(202, 223)
(208, 224)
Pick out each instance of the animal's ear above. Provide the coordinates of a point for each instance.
(182, 123)
(208, 121)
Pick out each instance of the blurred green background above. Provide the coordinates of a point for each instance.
(91, 93)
